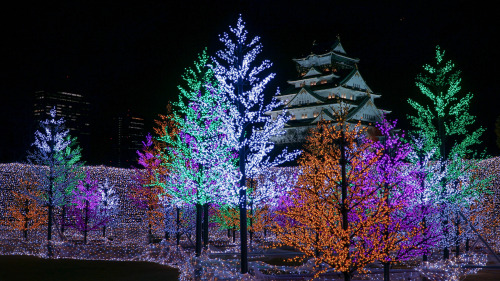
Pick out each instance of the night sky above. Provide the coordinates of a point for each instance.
(125, 56)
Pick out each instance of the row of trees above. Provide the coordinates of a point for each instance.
(216, 137)
(56, 181)
(353, 200)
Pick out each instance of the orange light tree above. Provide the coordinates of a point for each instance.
(25, 211)
(146, 194)
(334, 215)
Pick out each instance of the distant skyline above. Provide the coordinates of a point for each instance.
(125, 56)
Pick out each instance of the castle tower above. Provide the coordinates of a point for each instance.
(325, 81)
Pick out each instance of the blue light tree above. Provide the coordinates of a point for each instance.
(249, 129)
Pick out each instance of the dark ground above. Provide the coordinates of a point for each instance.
(23, 268)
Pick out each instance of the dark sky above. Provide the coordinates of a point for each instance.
(125, 56)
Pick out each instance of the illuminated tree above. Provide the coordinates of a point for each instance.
(146, 194)
(86, 212)
(69, 172)
(108, 204)
(450, 189)
(335, 215)
(198, 158)
(53, 150)
(247, 127)
(407, 234)
(26, 212)
(445, 118)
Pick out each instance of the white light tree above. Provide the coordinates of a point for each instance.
(56, 160)
(249, 129)
(108, 204)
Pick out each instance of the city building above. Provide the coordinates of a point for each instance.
(326, 82)
(127, 136)
(74, 108)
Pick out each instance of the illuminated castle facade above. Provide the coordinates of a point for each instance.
(325, 82)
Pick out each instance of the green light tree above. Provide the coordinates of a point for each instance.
(198, 158)
(443, 120)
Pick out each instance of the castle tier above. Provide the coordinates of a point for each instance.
(325, 82)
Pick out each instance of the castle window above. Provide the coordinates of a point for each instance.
(302, 84)
(304, 116)
(322, 82)
(293, 117)
(316, 114)
(313, 83)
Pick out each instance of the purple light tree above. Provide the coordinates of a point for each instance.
(405, 235)
(86, 213)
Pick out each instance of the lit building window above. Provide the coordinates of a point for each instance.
(313, 83)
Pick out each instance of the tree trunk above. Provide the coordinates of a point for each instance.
(199, 210)
(251, 222)
(387, 275)
(442, 150)
(242, 155)
(457, 233)
(63, 219)
(86, 222)
(343, 209)
(49, 222)
(205, 225)
(150, 233)
(26, 210)
(178, 221)
(150, 227)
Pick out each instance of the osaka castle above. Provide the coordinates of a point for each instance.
(326, 81)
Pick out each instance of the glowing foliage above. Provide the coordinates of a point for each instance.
(109, 202)
(248, 128)
(26, 213)
(146, 194)
(409, 231)
(55, 149)
(334, 214)
(443, 120)
(86, 212)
